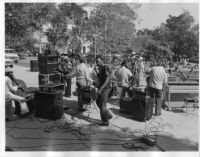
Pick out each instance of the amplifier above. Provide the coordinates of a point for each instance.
(51, 88)
(48, 64)
(142, 108)
(48, 58)
(126, 105)
(47, 68)
(34, 65)
(48, 105)
(49, 52)
(49, 78)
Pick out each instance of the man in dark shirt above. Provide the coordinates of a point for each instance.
(65, 68)
(103, 91)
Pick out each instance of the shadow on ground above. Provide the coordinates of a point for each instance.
(37, 134)
(31, 135)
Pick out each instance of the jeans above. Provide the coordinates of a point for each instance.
(80, 84)
(101, 103)
(157, 95)
(68, 87)
(124, 91)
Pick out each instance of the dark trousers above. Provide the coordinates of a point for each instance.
(125, 90)
(8, 108)
(80, 86)
(156, 94)
(101, 103)
(68, 87)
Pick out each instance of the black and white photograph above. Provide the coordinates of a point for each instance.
(101, 77)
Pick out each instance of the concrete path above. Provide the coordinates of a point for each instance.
(173, 131)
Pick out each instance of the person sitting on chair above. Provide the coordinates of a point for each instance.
(9, 95)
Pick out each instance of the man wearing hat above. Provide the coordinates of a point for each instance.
(83, 78)
(9, 95)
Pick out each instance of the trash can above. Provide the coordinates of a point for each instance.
(34, 65)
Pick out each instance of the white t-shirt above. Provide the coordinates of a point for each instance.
(158, 77)
(123, 74)
(8, 88)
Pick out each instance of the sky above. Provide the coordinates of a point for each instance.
(153, 14)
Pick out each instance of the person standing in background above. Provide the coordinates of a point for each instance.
(158, 78)
(123, 74)
(65, 67)
(140, 71)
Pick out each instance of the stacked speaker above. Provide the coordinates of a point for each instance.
(140, 106)
(48, 65)
(49, 98)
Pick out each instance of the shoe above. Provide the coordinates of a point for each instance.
(104, 124)
(11, 118)
(110, 116)
(157, 114)
(67, 95)
(82, 109)
(65, 108)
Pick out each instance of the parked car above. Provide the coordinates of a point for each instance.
(11, 54)
(9, 62)
(22, 55)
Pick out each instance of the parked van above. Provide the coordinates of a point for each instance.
(11, 54)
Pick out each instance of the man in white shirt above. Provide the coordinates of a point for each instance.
(9, 88)
(9, 95)
(83, 79)
(123, 75)
(158, 78)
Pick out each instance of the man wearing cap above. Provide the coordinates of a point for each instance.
(9, 89)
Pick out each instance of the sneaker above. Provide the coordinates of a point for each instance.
(110, 116)
(81, 109)
(157, 114)
(66, 108)
(104, 124)
(11, 118)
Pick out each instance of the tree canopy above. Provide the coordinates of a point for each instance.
(109, 29)
(177, 37)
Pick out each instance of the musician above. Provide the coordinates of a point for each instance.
(9, 95)
(9, 88)
(83, 78)
(103, 91)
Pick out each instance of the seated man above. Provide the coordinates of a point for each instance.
(9, 95)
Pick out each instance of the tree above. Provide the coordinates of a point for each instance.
(174, 38)
(181, 34)
(111, 27)
(76, 17)
(57, 32)
(22, 19)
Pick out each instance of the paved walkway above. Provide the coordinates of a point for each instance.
(175, 131)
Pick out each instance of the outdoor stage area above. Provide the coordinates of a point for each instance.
(174, 130)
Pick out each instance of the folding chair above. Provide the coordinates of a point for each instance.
(190, 101)
(88, 97)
